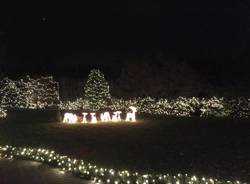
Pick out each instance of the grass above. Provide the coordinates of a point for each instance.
(207, 147)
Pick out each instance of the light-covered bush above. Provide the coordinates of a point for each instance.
(29, 93)
(181, 106)
(78, 104)
(239, 107)
(3, 113)
(214, 107)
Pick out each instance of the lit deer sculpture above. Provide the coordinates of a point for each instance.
(93, 117)
(84, 119)
(69, 118)
(131, 115)
(116, 116)
(105, 117)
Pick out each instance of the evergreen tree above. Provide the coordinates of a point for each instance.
(11, 95)
(47, 92)
(96, 90)
(29, 93)
(26, 91)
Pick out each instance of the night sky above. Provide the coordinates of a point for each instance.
(63, 32)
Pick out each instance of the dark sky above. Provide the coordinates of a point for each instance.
(90, 31)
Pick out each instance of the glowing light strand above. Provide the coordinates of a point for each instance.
(92, 172)
(181, 106)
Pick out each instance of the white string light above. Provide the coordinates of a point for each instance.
(97, 174)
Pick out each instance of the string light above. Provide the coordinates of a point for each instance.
(182, 106)
(97, 174)
(29, 93)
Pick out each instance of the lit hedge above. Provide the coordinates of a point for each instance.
(182, 106)
(29, 93)
(100, 175)
(3, 113)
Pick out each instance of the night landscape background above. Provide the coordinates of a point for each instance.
(171, 79)
(208, 40)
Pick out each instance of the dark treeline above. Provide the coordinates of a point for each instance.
(155, 76)
(164, 79)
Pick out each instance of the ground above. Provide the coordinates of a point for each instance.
(30, 172)
(206, 147)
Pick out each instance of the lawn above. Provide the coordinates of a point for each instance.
(206, 147)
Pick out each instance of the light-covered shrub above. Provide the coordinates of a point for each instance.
(239, 107)
(214, 107)
(3, 113)
(78, 104)
(181, 106)
(29, 93)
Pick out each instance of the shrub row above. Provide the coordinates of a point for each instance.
(182, 106)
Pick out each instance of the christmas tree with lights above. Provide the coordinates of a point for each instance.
(10, 94)
(96, 90)
(47, 92)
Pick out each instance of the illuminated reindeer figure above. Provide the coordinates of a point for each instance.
(131, 115)
(116, 116)
(105, 117)
(84, 119)
(93, 117)
(69, 118)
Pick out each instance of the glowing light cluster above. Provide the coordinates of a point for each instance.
(3, 113)
(96, 90)
(77, 104)
(100, 175)
(29, 93)
(181, 106)
(69, 118)
(104, 117)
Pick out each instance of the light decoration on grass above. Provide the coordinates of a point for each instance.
(93, 117)
(131, 115)
(116, 116)
(84, 119)
(69, 118)
(98, 175)
(104, 117)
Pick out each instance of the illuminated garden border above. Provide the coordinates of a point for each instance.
(238, 107)
(100, 175)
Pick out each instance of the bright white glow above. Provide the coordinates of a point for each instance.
(116, 116)
(69, 118)
(93, 117)
(105, 116)
(131, 115)
(84, 120)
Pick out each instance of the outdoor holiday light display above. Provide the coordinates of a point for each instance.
(29, 93)
(131, 115)
(100, 175)
(104, 117)
(3, 113)
(69, 118)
